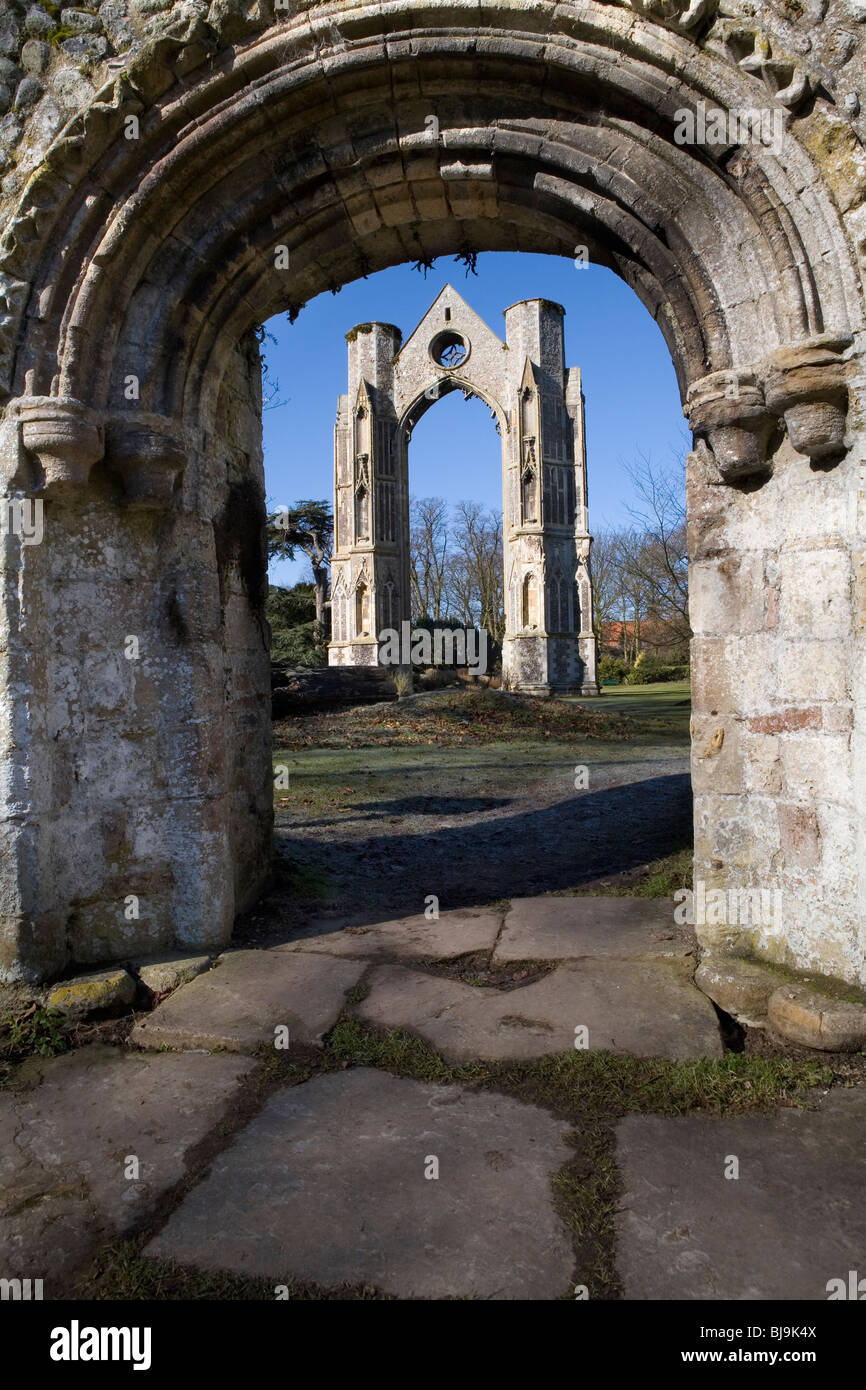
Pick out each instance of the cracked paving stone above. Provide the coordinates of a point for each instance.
(238, 1004)
(64, 1145)
(455, 934)
(549, 928)
(793, 1220)
(328, 1184)
(649, 1008)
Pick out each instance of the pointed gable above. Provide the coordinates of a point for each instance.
(449, 310)
(451, 347)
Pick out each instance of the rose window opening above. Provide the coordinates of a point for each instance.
(449, 350)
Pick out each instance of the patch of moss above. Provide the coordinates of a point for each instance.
(125, 1276)
(352, 334)
(64, 31)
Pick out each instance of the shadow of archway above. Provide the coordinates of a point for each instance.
(549, 849)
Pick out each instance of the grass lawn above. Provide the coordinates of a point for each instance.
(670, 701)
(471, 743)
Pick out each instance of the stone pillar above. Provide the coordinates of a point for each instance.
(369, 578)
(549, 644)
(775, 527)
(586, 667)
(137, 792)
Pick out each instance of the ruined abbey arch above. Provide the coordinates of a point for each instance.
(206, 168)
(549, 645)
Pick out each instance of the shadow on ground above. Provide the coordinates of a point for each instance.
(367, 876)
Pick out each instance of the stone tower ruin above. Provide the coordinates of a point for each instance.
(537, 404)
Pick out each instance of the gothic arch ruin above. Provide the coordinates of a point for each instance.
(204, 168)
(538, 406)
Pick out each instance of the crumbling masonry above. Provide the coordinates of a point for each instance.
(537, 404)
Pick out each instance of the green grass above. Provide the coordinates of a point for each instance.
(37, 1032)
(304, 880)
(341, 762)
(668, 700)
(125, 1276)
(589, 1085)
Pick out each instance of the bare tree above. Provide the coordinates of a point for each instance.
(270, 384)
(606, 578)
(476, 568)
(633, 591)
(657, 555)
(429, 554)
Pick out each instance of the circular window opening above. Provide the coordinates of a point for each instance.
(449, 350)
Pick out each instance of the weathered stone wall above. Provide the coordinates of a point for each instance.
(136, 716)
(139, 241)
(777, 611)
(243, 713)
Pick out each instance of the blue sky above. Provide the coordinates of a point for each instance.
(632, 402)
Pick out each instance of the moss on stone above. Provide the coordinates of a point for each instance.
(352, 334)
(92, 993)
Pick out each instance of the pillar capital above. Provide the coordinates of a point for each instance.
(806, 385)
(729, 408)
(66, 438)
(147, 453)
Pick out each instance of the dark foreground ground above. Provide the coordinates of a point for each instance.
(473, 797)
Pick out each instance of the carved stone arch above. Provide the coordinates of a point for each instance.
(436, 389)
(135, 271)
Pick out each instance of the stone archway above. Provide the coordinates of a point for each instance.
(537, 403)
(243, 161)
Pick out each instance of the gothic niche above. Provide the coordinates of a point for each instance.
(362, 610)
(529, 495)
(530, 602)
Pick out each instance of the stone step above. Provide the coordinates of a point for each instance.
(792, 1221)
(563, 928)
(457, 933)
(66, 1144)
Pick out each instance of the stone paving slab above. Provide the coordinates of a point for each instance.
(793, 1220)
(170, 970)
(550, 928)
(327, 1184)
(239, 1003)
(647, 1008)
(64, 1143)
(455, 934)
